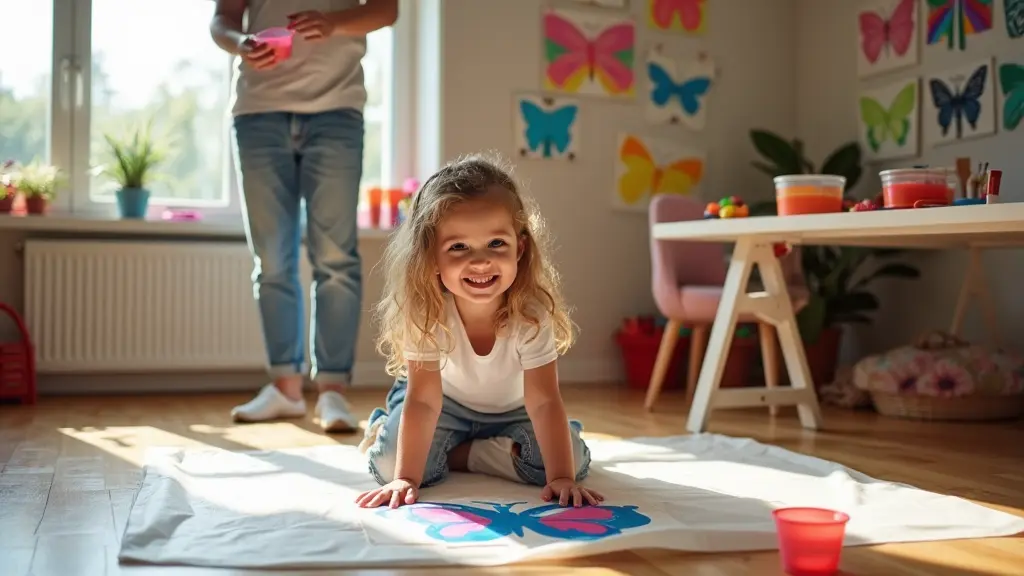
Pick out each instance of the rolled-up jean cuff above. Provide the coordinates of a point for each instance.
(284, 371)
(332, 378)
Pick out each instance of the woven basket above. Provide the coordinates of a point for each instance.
(962, 408)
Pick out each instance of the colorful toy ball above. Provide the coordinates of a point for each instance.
(781, 249)
(711, 210)
(728, 207)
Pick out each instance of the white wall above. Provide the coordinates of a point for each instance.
(490, 49)
(827, 117)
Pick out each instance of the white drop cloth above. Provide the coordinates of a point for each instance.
(294, 508)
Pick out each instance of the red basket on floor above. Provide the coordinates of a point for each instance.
(17, 362)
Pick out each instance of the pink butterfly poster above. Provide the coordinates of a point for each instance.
(887, 37)
(589, 53)
(683, 16)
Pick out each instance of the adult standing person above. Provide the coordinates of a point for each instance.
(298, 127)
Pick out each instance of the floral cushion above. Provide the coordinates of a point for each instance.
(959, 370)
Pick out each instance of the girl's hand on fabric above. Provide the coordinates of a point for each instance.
(566, 491)
(257, 54)
(311, 25)
(393, 494)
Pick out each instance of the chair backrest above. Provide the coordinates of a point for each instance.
(676, 263)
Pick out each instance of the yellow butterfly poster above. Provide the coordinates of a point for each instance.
(648, 166)
(889, 119)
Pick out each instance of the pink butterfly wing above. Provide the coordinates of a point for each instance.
(901, 27)
(872, 35)
(587, 520)
(577, 46)
(611, 40)
(459, 522)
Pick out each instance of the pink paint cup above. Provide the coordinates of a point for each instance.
(280, 40)
(810, 540)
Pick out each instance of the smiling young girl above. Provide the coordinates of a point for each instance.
(472, 325)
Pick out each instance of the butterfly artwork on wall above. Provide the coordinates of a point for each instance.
(647, 167)
(962, 104)
(1011, 82)
(480, 522)
(1014, 11)
(589, 53)
(545, 127)
(953, 21)
(887, 32)
(889, 120)
(679, 90)
(685, 16)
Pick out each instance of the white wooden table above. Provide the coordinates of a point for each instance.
(972, 227)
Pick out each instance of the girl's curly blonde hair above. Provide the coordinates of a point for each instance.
(412, 307)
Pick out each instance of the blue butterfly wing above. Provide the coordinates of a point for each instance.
(662, 84)
(945, 101)
(971, 95)
(691, 91)
(536, 124)
(460, 523)
(559, 122)
(585, 523)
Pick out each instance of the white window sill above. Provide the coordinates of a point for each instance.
(66, 223)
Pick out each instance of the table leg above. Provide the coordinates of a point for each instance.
(975, 287)
(772, 306)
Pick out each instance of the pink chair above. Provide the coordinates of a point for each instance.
(687, 280)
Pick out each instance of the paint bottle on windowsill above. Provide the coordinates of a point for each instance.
(992, 189)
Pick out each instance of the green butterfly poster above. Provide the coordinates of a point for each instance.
(889, 120)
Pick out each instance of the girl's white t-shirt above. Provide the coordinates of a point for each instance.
(491, 384)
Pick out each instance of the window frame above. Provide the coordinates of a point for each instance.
(71, 112)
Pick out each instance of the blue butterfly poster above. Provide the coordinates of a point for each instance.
(545, 127)
(960, 103)
(678, 90)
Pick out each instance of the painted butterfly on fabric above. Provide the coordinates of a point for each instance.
(460, 523)
(892, 123)
(548, 131)
(574, 59)
(1011, 78)
(688, 92)
(878, 34)
(957, 103)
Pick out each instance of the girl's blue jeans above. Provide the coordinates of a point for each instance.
(457, 424)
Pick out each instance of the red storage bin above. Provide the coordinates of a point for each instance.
(639, 353)
(17, 362)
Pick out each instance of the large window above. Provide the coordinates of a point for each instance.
(74, 70)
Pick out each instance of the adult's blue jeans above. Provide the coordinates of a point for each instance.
(283, 159)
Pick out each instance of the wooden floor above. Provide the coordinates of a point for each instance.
(70, 466)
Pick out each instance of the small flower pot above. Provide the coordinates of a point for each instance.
(132, 202)
(7, 201)
(36, 205)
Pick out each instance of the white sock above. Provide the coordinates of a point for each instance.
(493, 456)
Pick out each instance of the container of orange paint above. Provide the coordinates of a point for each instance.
(917, 187)
(809, 194)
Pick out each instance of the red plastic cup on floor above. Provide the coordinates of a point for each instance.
(810, 540)
(280, 40)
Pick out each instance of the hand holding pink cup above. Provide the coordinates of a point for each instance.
(279, 40)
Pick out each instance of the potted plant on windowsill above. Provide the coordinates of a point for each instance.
(8, 193)
(39, 184)
(839, 278)
(131, 165)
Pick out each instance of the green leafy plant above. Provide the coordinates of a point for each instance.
(782, 157)
(839, 278)
(38, 180)
(133, 159)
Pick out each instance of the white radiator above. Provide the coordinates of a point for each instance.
(129, 306)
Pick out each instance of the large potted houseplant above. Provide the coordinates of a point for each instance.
(39, 184)
(839, 278)
(131, 165)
